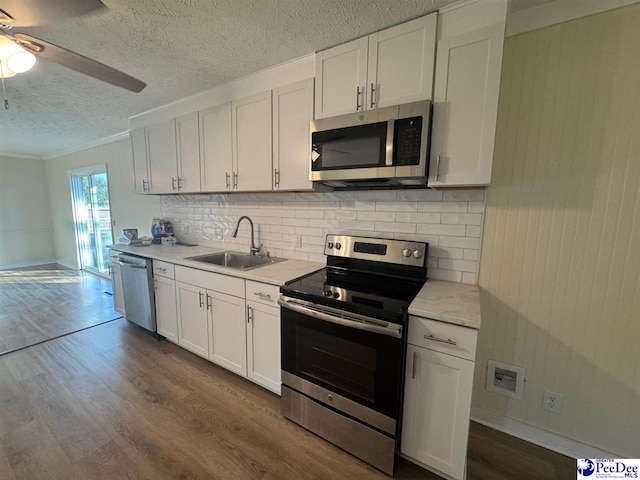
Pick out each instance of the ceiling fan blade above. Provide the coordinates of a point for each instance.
(78, 62)
(28, 13)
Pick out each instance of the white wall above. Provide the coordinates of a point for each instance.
(450, 221)
(26, 231)
(560, 265)
(128, 210)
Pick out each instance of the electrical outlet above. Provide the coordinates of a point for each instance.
(218, 234)
(298, 241)
(552, 401)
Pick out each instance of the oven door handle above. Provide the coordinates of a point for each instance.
(347, 319)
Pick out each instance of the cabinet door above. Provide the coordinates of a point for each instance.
(263, 345)
(437, 404)
(465, 107)
(161, 148)
(216, 167)
(193, 326)
(188, 153)
(227, 332)
(251, 133)
(401, 61)
(116, 286)
(341, 78)
(166, 312)
(140, 161)
(292, 112)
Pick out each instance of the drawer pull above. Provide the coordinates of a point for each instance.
(448, 341)
(263, 295)
(163, 270)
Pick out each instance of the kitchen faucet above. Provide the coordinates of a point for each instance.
(254, 250)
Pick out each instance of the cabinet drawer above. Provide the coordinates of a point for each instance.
(211, 281)
(443, 337)
(164, 269)
(263, 293)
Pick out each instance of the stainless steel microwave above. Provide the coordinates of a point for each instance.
(386, 146)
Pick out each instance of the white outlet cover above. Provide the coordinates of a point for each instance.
(552, 402)
(518, 372)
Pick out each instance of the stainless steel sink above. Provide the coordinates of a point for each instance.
(236, 260)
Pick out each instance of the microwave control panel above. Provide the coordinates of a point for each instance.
(407, 141)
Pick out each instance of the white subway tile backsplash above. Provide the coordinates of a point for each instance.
(395, 227)
(397, 207)
(463, 196)
(449, 221)
(473, 231)
(462, 218)
(418, 217)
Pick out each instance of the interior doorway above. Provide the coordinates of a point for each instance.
(92, 218)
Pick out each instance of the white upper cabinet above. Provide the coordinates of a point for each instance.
(400, 67)
(166, 156)
(216, 158)
(389, 67)
(292, 112)
(140, 161)
(162, 155)
(188, 152)
(341, 76)
(251, 135)
(465, 103)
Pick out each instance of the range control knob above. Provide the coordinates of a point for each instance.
(418, 253)
(328, 293)
(336, 295)
(330, 244)
(406, 252)
(338, 246)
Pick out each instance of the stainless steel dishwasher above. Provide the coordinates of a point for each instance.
(137, 286)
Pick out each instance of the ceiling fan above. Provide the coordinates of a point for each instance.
(29, 13)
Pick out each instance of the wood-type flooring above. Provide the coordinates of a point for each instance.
(43, 302)
(110, 402)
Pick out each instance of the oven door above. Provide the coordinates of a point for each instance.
(358, 358)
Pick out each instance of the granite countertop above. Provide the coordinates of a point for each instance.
(448, 302)
(277, 274)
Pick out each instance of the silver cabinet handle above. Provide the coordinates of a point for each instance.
(145, 186)
(228, 179)
(208, 302)
(448, 341)
(373, 90)
(262, 295)
(249, 314)
(173, 184)
(163, 270)
(358, 106)
(437, 166)
(276, 177)
(235, 179)
(180, 183)
(413, 365)
(200, 295)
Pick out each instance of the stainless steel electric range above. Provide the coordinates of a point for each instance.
(344, 344)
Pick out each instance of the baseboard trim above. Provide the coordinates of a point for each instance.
(552, 441)
(29, 264)
(72, 266)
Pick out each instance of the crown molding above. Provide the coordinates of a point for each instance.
(85, 146)
(558, 11)
(20, 155)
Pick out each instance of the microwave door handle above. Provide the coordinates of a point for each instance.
(388, 160)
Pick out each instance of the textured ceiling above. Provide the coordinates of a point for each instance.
(178, 47)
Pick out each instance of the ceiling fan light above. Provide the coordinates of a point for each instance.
(20, 62)
(13, 58)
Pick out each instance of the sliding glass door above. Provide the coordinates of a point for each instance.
(90, 197)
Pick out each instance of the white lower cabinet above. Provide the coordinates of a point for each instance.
(437, 404)
(227, 332)
(193, 324)
(166, 309)
(263, 345)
